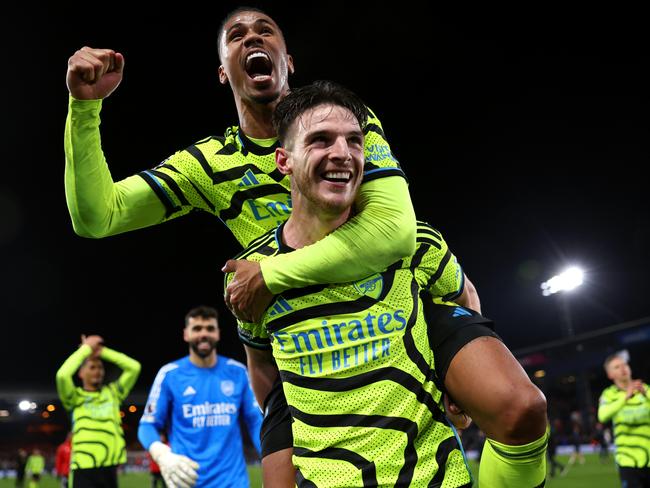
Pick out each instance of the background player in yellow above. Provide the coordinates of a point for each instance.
(98, 445)
(627, 404)
(34, 468)
(305, 146)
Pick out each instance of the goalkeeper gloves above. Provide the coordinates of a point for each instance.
(178, 471)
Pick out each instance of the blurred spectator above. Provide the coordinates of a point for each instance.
(552, 448)
(62, 461)
(603, 437)
(21, 462)
(576, 440)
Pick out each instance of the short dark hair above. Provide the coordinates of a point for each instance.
(202, 311)
(230, 15)
(611, 357)
(320, 92)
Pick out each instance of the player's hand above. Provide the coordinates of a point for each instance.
(178, 471)
(95, 342)
(246, 296)
(455, 414)
(630, 391)
(94, 73)
(638, 386)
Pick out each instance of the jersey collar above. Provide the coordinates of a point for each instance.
(282, 247)
(249, 146)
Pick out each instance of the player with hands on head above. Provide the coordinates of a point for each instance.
(98, 445)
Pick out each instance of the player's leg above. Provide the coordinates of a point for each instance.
(485, 380)
(488, 382)
(632, 478)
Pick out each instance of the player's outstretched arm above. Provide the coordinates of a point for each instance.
(98, 206)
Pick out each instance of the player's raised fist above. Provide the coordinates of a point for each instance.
(94, 73)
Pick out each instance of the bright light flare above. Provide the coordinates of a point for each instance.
(568, 280)
(26, 405)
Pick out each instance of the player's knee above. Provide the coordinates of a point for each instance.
(525, 419)
(278, 470)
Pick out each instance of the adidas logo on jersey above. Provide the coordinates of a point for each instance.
(248, 179)
(189, 391)
(460, 311)
(279, 307)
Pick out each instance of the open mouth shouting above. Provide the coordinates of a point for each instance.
(259, 67)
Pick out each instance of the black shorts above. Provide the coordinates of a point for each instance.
(449, 329)
(105, 477)
(276, 432)
(635, 477)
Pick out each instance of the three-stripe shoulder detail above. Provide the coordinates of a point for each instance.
(256, 245)
(429, 235)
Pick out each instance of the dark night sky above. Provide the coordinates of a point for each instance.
(524, 135)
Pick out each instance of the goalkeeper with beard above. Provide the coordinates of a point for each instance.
(198, 400)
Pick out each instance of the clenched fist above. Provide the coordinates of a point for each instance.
(94, 73)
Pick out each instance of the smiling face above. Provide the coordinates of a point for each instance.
(324, 155)
(202, 334)
(254, 57)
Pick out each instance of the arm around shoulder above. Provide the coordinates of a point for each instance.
(381, 233)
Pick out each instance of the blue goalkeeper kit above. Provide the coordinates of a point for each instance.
(200, 408)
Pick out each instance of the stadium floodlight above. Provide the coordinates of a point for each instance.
(568, 280)
(26, 405)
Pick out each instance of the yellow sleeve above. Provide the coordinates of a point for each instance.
(130, 370)
(608, 407)
(98, 206)
(64, 383)
(381, 233)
